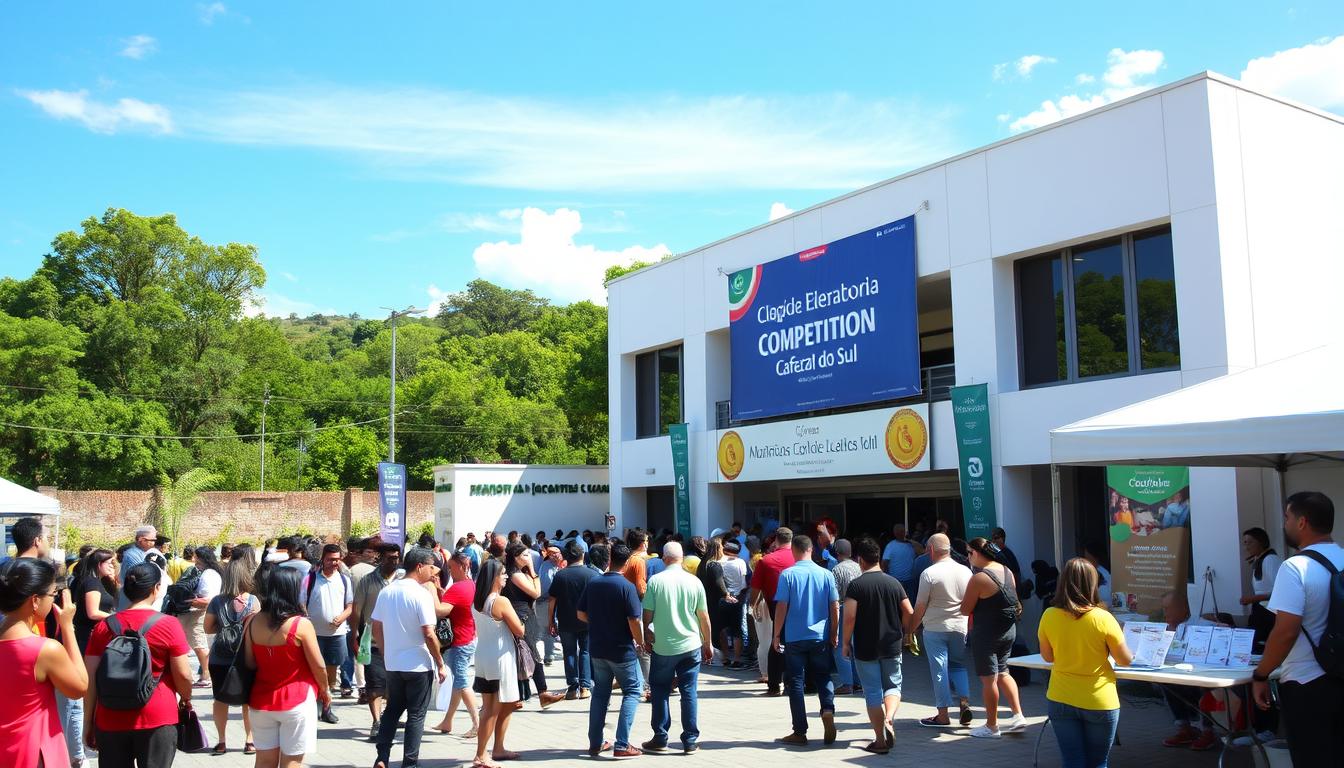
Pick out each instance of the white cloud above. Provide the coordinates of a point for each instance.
(138, 46)
(1025, 64)
(101, 117)
(547, 259)
(272, 304)
(779, 211)
(1312, 74)
(1124, 74)
(830, 142)
(437, 296)
(503, 222)
(1084, 79)
(289, 276)
(209, 12)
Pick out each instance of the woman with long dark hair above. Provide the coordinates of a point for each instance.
(281, 644)
(93, 587)
(224, 618)
(1080, 637)
(991, 598)
(1264, 562)
(34, 668)
(211, 578)
(497, 626)
(522, 590)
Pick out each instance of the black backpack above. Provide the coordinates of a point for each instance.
(181, 593)
(228, 640)
(125, 676)
(1329, 650)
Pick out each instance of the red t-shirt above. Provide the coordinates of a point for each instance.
(459, 595)
(766, 576)
(166, 641)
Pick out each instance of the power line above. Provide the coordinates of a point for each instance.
(180, 398)
(59, 430)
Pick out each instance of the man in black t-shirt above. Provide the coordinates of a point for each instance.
(566, 588)
(876, 609)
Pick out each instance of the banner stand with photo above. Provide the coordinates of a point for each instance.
(1148, 511)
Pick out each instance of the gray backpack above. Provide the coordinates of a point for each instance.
(125, 676)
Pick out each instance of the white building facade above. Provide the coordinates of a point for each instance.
(1232, 201)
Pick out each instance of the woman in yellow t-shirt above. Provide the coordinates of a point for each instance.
(1079, 637)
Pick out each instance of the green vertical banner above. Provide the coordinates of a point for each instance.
(975, 464)
(681, 473)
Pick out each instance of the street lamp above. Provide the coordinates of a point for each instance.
(392, 317)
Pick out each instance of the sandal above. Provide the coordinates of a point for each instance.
(875, 748)
(249, 748)
(202, 684)
(506, 756)
(219, 749)
(470, 734)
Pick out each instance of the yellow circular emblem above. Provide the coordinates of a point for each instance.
(907, 438)
(732, 455)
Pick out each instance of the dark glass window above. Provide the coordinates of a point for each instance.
(669, 388)
(1099, 310)
(1155, 283)
(1041, 294)
(657, 391)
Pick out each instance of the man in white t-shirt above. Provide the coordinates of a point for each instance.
(938, 607)
(328, 597)
(1312, 700)
(403, 627)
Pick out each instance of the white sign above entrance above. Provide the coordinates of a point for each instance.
(877, 442)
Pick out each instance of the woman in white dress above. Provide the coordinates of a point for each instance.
(496, 662)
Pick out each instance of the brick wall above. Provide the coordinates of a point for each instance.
(234, 516)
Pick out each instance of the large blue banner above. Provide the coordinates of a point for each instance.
(392, 502)
(831, 326)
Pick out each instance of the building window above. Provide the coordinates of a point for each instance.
(657, 391)
(1100, 309)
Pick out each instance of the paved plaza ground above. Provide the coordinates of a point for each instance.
(739, 724)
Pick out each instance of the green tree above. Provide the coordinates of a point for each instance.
(485, 308)
(117, 256)
(344, 458)
(177, 496)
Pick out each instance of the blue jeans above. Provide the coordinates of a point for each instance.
(72, 720)
(577, 670)
(348, 670)
(880, 678)
(684, 670)
(947, 655)
(802, 659)
(604, 671)
(1084, 735)
(845, 669)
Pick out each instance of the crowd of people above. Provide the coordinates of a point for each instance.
(105, 652)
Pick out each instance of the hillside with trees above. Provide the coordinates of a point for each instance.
(128, 359)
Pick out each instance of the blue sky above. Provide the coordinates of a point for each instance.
(384, 155)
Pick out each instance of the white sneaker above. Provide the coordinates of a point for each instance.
(1017, 723)
(984, 732)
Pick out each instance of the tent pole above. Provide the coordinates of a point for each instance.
(1058, 516)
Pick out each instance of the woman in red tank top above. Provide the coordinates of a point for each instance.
(281, 645)
(33, 668)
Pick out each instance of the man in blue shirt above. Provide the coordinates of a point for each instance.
(807, 609)
(898, 559)
(611, 607)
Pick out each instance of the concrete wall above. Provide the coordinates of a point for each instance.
(230, 516)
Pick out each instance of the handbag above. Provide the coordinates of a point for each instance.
(443, 630)
(190, 733)
(527, 662)
(365, 653)
(236, 686)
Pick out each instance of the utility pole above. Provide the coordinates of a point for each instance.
(302, 450)
(392, 317)
(265, 398)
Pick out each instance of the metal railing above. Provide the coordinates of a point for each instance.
(937, 381)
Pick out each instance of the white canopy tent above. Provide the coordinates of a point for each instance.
(1282, 415)
(17, 501)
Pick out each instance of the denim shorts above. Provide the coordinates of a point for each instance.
(880, 678)
(459, 659)
(333, 649)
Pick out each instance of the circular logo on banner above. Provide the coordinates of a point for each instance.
(907, 438)
(732, 455)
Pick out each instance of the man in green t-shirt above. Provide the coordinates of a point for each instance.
(674, 603)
